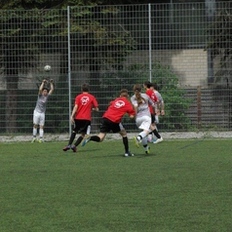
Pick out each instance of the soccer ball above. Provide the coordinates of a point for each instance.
(47, 68)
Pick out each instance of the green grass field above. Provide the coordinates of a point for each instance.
(181, 186)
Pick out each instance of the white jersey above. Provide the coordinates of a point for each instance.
(41, 103)
(143, 108)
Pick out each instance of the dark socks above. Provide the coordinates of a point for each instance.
(139, 136)
(155, 132)
(126, 144)
(73, 135)
(78, 141)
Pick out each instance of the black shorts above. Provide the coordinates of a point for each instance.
(109, 126)
(81, 125)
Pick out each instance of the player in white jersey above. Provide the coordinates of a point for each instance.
(141, 102)
(40, 109)
(160, 110)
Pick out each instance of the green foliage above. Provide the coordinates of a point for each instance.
(34, 32)
(42, 4)
(219, 41)
(58, 4)
(176, 104)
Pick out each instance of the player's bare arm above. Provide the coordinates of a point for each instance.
(95, 109)
(51, 87)
(42, 86)
(73, 113)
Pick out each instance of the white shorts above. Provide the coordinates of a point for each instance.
(38, 118)
(143, 122)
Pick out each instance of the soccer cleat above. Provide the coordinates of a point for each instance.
(158, 140)
(136, 141)
(128, 154)
(33, 140)
(85, 140)
(153, 140)
(66, 148)
(147, 150)
(40, 140)
(74, 148)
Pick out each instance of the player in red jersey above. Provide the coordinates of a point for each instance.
(81, 116)
(111, 121)
(150, 92)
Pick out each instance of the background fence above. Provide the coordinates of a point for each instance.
(184, 48)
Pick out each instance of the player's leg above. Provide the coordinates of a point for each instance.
(104, 129)
(84, 128)
(71, 138)
(99, 138)
(156, 133)
(34, 133)
(35, 125)
(41, 127)
(76, 128)
(125, 141)
(95, 138)
(144, 124)
(151, 136)
(145, 145)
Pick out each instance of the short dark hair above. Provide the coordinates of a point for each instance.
(45, 89)
(85, 87)
(148, 84)
(124, 93)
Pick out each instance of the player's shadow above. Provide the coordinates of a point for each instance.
(107, 156)
(116, 156)
(144, 156)
(89, 150)
(86, 151)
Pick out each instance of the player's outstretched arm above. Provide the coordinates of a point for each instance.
(51, 87)
(73, 114)
(42, 86)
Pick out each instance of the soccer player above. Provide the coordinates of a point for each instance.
(141, 102)
(111, 121)
(154, 87)
(81, 116)
(154, 115)
(40, 108)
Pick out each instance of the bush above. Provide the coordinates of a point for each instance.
(175, 102)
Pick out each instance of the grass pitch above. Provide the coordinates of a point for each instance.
(180, 186)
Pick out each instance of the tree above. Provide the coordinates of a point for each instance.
(176, 103)
(18, 55)
(219, 42)
(23, 35)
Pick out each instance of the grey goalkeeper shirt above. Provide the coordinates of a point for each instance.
(41, 103)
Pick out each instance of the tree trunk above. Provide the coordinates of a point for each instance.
(94, 82)
(11, 103)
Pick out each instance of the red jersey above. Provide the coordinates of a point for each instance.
(85, 102)
(118, 108)
(153, 97)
